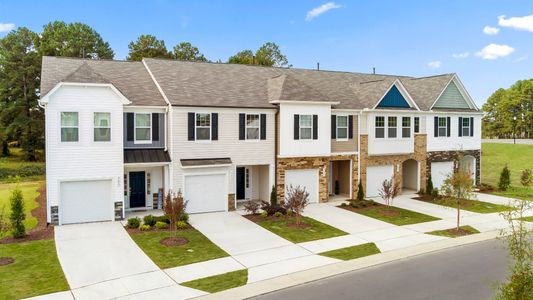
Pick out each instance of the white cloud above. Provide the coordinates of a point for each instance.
(317, 11)
(435, 64)
(522, 58)
(461, 55)
(495, 51)
(491, 30)
(6, 27)
(520, 23)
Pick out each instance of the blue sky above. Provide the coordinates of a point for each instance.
(416, 38)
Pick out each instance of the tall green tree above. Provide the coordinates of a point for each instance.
(20, 65)
(147, 45)
(186, 51)
(268, 55)
(73, 40)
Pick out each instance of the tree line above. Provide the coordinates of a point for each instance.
(509, 112)
(21, 50)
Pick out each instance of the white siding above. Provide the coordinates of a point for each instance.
(383, 146)
(85, 159)
(289, 147)
(242, 153)
(454, 142)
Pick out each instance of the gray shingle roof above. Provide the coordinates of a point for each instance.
(130, 78)
(425, 90)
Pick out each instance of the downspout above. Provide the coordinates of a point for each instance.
(359, 148)
(276, 152)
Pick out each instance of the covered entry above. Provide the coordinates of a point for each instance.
(340, 178)
(410, 176)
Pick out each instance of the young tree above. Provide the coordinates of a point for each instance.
(360, 192)
(526, 177)
(186, 51)
(18, 215)
(296, 199)
(458, 186)
(429, 185)
(505, 179)
(174, 206)
(147, 45)
(389, 191)
(273, 196)
(519, 283)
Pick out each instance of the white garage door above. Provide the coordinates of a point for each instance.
(375, 176)
(206, 193)
(85, 201)
(307, 178)
(440, 171)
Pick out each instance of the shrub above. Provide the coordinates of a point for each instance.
(134, 223)
(161, 225)
(389, 190)
(18, 215)
(22, 171)
(272, 209)
(372, 202)
(354, 205)
(526, 177)
(289, 212)
(273, 196)
(181, 225)
(174, 207)
(337, 187)
(184, 217)
(264, 214)
(505, 179)
(296, 199)
(144, 227)
(164, 219)
(252, 207)
(343, 204)
(363, 204)
(149, 220)
(278, 214)
(429, 186)
(360, 193)
(435, 192)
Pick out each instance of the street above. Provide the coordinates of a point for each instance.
(466, 272)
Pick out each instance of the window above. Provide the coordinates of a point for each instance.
(406, 127)
(442, 126)
(342, 127)
(391, 127)
(380, 127)
(417, 124)
(102, 127)
(203, 126)
(306, 127)
(466, 127)
(247, 177)
(252, 127)
(69, 126)
(143, 128)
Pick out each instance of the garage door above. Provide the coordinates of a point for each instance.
(375, 176)
(307, 178)
(85, 201)
(206, 193)
(440, 171)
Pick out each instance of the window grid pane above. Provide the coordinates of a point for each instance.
(142, 120)
(417, 125)
(252, 127)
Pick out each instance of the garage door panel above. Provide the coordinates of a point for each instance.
(307, 178)
(206, 193)
(375, 175)
(440, 171)
(86, 201)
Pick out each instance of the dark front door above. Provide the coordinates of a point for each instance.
(137, 190)
(240, 183)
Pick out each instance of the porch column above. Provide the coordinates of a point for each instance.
(166, 179)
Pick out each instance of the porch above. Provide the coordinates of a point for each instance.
(253, 182)
(340, 180)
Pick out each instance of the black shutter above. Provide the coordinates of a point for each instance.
(436, 127)
(333, 126)
(129, 127)
(296, 127)
(315, 127)
(448, 123)
(471, 126)
(350, 127)
(263, 125)
(460, 126)
(190, 126)
(214, 126)
(242, 126)
(155, 127)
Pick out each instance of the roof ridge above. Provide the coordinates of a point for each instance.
(84, 67)
(432, 76)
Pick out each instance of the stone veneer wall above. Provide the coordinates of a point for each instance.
(320, 163)
(231, 202)
(396, 160)
(436, 156)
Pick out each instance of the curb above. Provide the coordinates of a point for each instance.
(302, 277)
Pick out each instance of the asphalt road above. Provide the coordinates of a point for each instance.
(466, 272)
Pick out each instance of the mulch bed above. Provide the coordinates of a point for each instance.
(369, 206)
(42, 230)
(173, 241)
(4, 261)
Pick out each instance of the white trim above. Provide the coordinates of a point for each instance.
(305, 102)
(153, 164)
(203, 127)
(429, 112)
(226, 189)
(46, 98)
(300, 128)
(135, 141)
(101, 127)
(337, 128)
(466, 96)
(61, 127)
(344, 153)
(246, 126)
(206, 166)
(404, 93)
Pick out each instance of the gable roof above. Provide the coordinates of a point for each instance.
(425, 90)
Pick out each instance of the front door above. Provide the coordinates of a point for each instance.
(137, 189)
(240, 183)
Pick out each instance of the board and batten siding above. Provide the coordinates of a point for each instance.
(241, 152)
(451, 98)
(350, 145)
(83, 160)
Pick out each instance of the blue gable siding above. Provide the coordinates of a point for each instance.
(393, 99)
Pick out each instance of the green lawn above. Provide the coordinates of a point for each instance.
(495, 156)
(219, 283)
(198, 249)
(394, 215)
(447, 233)
(15, 165)
(36, 270)
(474, 206)
(315, 231)
(29, 192)
(527, 219)
(353, 252)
